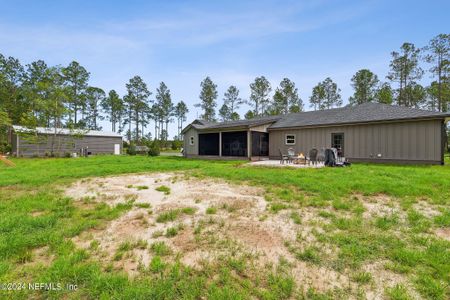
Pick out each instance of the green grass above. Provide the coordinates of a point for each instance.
(173, 214)
(141, 187)
(362, 277)
(211, 210)
(164, 189)
(406, 244)
(172, 231)
(168, 216)
(398, 292)
(161, 249)
(296, 217)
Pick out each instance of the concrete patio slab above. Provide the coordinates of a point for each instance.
(276, 163)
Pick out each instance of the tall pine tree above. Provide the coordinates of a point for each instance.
(208, 99)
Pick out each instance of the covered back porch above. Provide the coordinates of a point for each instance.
(234, 144)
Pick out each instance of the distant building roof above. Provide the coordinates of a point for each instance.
(363, 113)
(367, 112)
(65, 131)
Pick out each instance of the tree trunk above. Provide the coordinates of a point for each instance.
(129, 126)
(137, 125)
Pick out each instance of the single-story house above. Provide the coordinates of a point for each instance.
(43, 141)
(369, 132)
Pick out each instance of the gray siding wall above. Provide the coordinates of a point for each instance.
(29, 147)
(401, 141)
(188, 148)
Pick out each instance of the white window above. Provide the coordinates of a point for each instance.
(290, 139)
(191, 140)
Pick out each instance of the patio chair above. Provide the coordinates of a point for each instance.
(313, 156)
(321, 155)
(336, 156)
(330, 158)
(291, 154)
(283, 157)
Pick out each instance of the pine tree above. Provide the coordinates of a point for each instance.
(166, 108)
(136, 100)
(384, 94)
(259, 97)
(286, 98)
(364, 82)
(438, 54)
(180, 113)
(208, 97)
(76, 78)
(113, 106)
(405, 70)
(94, 96)
(224, 113)
(325, 95)
(233, 102)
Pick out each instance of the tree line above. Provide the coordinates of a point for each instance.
(402, 87)
(38, 95)
(55, 96)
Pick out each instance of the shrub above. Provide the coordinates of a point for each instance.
(5, 148)
(131, 150)
(176, 144)
(154, 149)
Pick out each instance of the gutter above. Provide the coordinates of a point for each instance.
(360, 123)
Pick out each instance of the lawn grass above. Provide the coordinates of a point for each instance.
(34, 214)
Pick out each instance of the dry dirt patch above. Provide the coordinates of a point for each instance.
(212, 218)
(238, 209)
(380, 206)
(443, 233)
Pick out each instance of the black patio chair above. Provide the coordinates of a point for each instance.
(313, 156)
(321, 155)
(283, 157)
(330, 158)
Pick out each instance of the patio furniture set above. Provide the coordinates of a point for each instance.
(330, 157)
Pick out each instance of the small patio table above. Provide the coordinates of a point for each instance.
(300, 160)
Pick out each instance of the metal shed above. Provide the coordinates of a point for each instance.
(40, 141)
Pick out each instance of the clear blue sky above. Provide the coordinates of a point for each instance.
(181, 42)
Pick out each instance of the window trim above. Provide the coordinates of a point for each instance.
(191, 140)
(286, 139)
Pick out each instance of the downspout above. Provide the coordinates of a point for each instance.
(17, 143)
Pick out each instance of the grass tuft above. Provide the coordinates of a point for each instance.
(164, 189)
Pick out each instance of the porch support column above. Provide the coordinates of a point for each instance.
(249, 144)
(220, 143)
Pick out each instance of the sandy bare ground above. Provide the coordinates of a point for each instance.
(236, 217)
(223, 219)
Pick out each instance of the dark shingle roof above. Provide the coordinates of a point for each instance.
(363, 113)
(245, 123)
(368, 112)
(201, 124)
